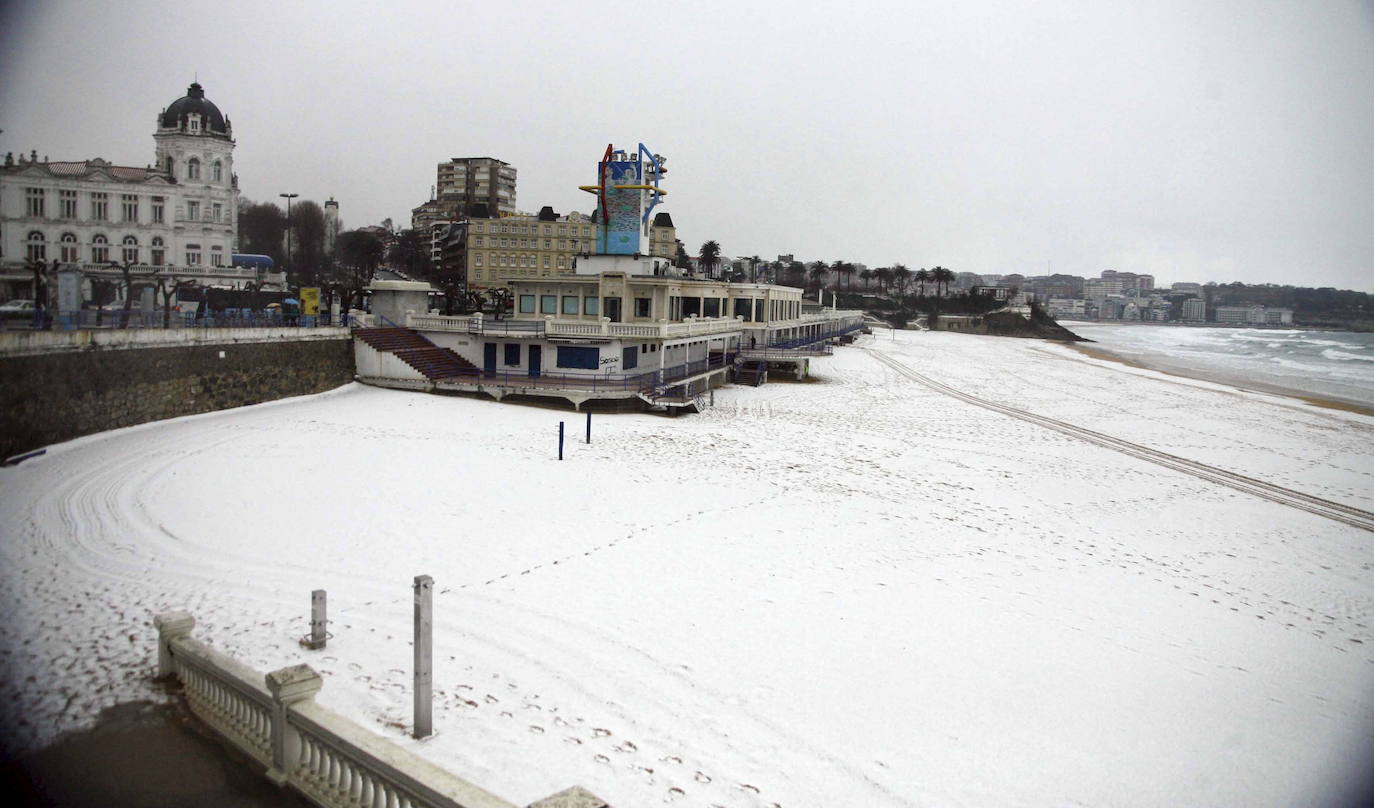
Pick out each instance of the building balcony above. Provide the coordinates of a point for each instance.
(551, 327)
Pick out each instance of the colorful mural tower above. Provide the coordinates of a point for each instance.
(627, 191)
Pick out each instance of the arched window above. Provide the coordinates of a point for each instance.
(37, 246)
(193, 169)
(100, 249)
(71, 250)
(131, 249)
(217, 171)
(169, 164)
(159, 254)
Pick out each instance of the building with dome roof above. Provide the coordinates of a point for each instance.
(175, 216)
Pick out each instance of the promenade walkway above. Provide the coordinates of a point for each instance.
(140, 755)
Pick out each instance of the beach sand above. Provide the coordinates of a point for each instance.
(853, 592)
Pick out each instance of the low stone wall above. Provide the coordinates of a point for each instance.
(55, 386)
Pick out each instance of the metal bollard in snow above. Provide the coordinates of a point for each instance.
(424, 656)
(319, 622)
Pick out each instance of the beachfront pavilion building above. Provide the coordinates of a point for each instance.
(658, 337)
(620, 323)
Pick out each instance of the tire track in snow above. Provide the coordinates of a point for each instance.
(1340, 512)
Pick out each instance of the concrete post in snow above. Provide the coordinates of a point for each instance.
(318, 621)
(424, 656)
(288, 686)
(170, 626)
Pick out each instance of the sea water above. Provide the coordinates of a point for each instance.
(1327, 364)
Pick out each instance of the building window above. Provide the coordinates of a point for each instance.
(547, 262)
(644, 306)
(130, 251)
(527, 304)
(158, 207)
(71, 250)
(570, 304)
(100, 206)
(33, 202)
(577, 357)
(589, 306)
(712, 307)
(158, 252)
(194, 122)
(216, 256)
(192, 255)
(128, 206)
(193, 211)
(477, 261)
(100, 249)
(503, 259)
(216, 212)
(629, 358)
(36, 248)
(217, 171)
(512, 353)
(193, 166)
(548, 304)
(68, 202)
(479, 241)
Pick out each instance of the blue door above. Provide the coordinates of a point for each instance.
(536, 354)
(489, 358)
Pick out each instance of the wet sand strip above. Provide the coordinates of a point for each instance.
(1098, 352)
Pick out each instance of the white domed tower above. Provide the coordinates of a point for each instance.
(195, 148)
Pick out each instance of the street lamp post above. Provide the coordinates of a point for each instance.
(288, 198)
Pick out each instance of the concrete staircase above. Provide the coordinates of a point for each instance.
(426, 357)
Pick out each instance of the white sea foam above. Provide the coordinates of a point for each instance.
(1332, 363)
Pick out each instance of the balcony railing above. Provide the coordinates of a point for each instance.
(550, 327)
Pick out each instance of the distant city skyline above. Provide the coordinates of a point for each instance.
(1222, 142)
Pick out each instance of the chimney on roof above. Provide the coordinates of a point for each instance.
(33, 156)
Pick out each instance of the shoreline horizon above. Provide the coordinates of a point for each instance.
(1095, 350)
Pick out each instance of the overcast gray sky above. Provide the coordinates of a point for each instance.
(1192, 140)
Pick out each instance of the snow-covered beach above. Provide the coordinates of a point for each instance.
(853, 591)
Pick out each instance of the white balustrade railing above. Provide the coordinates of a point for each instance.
(574, 328)
(328, 758)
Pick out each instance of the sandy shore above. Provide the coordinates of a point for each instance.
(1097, 351)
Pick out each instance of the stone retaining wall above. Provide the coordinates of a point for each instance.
(59, 386)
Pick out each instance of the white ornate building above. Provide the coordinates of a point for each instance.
(177, 212)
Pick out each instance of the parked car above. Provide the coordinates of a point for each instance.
(17, 309)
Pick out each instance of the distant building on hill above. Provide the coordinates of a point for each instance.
(1194, 310)
(1254, 315)
(1130, 280)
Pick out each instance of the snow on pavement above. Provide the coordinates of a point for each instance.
(853, 591)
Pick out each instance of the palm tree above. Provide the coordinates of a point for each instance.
(884, 278)
(866, 276)
(710, 256)
(942, 277)
(818, 273)
(754, 262)
(922, 278)
(903, 277)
